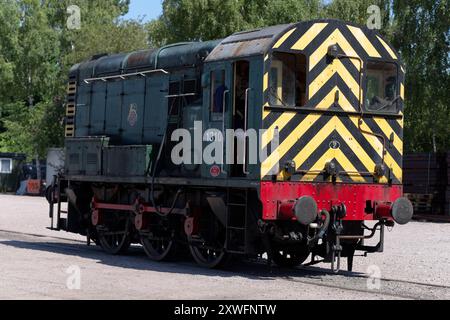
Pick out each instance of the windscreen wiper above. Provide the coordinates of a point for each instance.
(275, 95)
(387, 105)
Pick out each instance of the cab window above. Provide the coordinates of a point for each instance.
(218, 89)
(382, 87)
(287, 80)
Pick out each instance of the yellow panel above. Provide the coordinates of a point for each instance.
(388, 49)
(266, 82)
(336, 124)
(377, 145)
(335, 38)
(283, 39)
(287, 144)
(387, 130)
(329, 71)
(328, 101)
(318, 139)
(402, 91)
(359, 151)
(365, 42)
(309, 36)
(265, 112)
(280, 123)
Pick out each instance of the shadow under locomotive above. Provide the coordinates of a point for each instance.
(136, 259)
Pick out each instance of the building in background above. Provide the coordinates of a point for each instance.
(10, 171)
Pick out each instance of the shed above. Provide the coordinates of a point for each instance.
(10, 169)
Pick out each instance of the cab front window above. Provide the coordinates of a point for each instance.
(382, 92)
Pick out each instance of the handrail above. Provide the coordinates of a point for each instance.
(123, 76)
(244, 167)
(225, 93)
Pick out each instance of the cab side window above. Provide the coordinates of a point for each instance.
(218, 89)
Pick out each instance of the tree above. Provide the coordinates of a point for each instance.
(36, 51)
(422, 35)
(193, 20)
(9, 46)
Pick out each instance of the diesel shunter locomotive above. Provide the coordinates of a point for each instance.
(327, 98)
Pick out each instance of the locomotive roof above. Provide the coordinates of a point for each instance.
(310, 33)
(189, 54)
(247, 43)
(238, 45)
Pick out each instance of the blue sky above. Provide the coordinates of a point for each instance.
(147, 9)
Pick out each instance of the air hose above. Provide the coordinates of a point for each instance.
(323, 229)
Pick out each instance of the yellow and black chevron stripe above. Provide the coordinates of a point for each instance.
(71, 108)
(306, 134)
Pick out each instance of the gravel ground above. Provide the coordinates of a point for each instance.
(34, 261)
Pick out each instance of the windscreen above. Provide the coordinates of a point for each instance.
(382, 87)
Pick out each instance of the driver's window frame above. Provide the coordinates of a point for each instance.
(278, 65)
(216, 116)
(272, 60)
(366, 84)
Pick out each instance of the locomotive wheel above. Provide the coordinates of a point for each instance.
(114, 236)
(290, 258)
(158, 249)
(208, 247)
(209, 258)
(159, 238)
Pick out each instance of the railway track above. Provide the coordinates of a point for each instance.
(259, 270)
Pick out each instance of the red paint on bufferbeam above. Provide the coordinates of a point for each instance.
(327, 195)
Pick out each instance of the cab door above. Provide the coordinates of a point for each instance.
(217, 86)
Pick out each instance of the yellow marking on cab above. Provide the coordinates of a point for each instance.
(365, 42)
(274, 159)
(388, 49)
(318, 139)
(280, 123)
(266, 82)
(335, 38)
(401, 122)
(330, 70)
(387, 130)
(402, 91)
(284, 38)
(309, 36)
(378, 146)
(336, 124)
(343, 161)
(329, 100)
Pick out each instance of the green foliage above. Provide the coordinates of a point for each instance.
(32, 130)
(189, 20)
(422, 34)
(37, 50)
